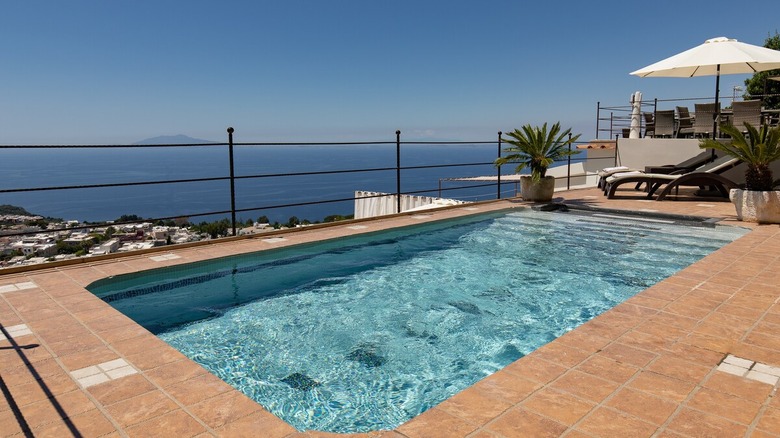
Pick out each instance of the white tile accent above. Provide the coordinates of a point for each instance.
(164, 257)
(93, 380)
(762, 377)
(114, 364)
(16, 331)
(421, 216)
(17, 287)
(732, 369)
(752, 370)
(766, 369)
(705, 205)
(477, 208)
(103, 372)
(738, 361)
(357, 227)
(121, 372)
(274, 239)
(26, 285)
(86, 372)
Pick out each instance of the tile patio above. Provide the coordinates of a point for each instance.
(697, 354)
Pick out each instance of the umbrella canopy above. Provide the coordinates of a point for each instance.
(715, 57)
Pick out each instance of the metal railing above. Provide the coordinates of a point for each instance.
(233, 177)
(613, 121)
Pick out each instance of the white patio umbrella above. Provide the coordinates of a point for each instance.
(716, 56)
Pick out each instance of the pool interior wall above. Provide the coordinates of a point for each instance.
(498, 315)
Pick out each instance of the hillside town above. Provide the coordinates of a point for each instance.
(47, 241)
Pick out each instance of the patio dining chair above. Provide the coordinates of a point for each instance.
(685, 122)
(664, 124)
(748, 111)
(705, 115)
(649, 125)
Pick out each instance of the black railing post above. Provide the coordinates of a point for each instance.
(568, 170)
(232, 181)
(598, 116)
(498, 189)
(398, 171)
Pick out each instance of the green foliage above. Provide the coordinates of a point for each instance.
(14, 210)
(338, 217)
(537, 148)
(759, 84)
(213, 229)
(263, 220)
(758, 149)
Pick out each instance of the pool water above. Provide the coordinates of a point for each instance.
(364, 333)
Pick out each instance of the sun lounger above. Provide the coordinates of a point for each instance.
(684, 166)
(707, 175)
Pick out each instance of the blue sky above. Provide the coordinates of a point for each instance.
(118, 72)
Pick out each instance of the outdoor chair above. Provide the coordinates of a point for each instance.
(664, 124)
(748, 111)
(707, 175)
(703, 122)
(688, 165)
(649, 125)
(685, 122)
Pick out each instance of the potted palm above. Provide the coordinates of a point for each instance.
(758, 202)
(537, 148)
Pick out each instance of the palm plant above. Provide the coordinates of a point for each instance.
(536, 148)
(760, 148)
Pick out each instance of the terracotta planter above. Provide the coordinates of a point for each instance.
(541, 191)
(761, 207)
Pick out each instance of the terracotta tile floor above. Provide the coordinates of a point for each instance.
(695, 355)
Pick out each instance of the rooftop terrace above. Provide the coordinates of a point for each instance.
(694, 355)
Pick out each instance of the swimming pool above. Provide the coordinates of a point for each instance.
(366, 332)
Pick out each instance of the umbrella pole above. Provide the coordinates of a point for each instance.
(717, 107)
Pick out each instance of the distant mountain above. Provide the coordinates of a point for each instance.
(174, 139)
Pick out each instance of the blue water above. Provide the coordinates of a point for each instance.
(364, 333)
(59, 167)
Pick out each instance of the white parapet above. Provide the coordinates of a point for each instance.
(371, 204)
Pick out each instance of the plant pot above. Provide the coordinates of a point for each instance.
(541, 191)
(754, 206)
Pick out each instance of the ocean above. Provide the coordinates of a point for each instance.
(26, 168)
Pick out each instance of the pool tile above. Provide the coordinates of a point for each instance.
(435, 423)
(558, 405)
(535, 368)
(642, 405)
(627, 354)
(662, 386)
(462, 406)
(770, 421)
(89, 424)
(700, 424)
(606, 422)
(113, 391)
(44, 411)
(739, 386)
(208, 386)
(725, 405)
(141, 408)
(176, 423)
(671, 366)
(258, 424)
(519, 422)
(175, 372)
(585, 386)
(606, 368)
(224, 408)
(507, 386)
